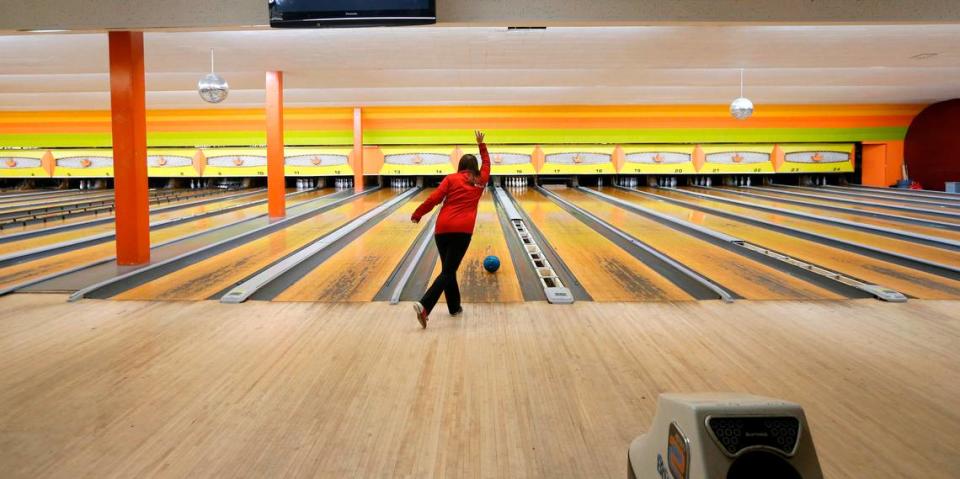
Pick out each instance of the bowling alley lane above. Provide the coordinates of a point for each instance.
(220, 200)
(905, 201)
(203, 279)
(476, 284)
(909, 281)
(27, 208)
(606, 271)
(359, 270)
(927, 205)
(82, 232)
(948, 198)
(27, 204)
(818, 200)
(826, 213)
(885, 243)
(40, 267)
(747, 278)
(19, 200)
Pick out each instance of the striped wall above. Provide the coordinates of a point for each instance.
(455, 125)
(527, 125)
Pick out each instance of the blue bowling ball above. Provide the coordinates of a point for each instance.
(491, 264)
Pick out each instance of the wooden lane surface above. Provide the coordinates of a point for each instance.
(207, 277)
(747, 278)
(78, 233)
(906, 280)
(476, 284)
(828, 199)
(605, 270)
(529, 390)
(40, 267)
(359, 270)
(825, 213)
(814, 202)
(885, 243)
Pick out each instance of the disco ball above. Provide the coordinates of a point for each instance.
(741, 108)
(213, 88)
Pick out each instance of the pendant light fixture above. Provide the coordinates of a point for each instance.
(212, 87)
(742, 107)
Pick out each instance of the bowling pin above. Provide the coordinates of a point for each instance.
(748, 181)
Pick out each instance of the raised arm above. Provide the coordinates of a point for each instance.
(433, 200)
(484, 159)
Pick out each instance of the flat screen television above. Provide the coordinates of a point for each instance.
(350, 13)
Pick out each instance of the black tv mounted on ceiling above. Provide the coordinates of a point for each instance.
(351, 13)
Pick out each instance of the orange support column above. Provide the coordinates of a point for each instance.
(276, 181)
(357, 149)
(129, 125)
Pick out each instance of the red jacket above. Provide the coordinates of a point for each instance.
(459, 211)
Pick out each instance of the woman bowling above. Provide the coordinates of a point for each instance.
(460, 193)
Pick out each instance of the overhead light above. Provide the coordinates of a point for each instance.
(923, 56)
(742, 107)
(212, 87)
(509, 29)
(44, 31)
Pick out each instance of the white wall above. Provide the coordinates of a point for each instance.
(143, 14)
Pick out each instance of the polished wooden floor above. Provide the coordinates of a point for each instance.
(200, 389)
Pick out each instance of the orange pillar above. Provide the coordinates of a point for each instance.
(358, 149)
(276, 181)
(129, 126)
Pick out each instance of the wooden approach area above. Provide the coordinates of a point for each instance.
(200, 389)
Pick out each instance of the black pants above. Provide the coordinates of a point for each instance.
(452, 247)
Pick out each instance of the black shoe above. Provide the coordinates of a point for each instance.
(458, 312)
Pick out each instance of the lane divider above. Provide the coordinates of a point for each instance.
(880, 292)
(244, 290)
(720, 291)
(82, 293)
(553, 287)
(420, 249)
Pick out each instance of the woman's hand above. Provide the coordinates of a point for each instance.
(414, 220)
(479, 136)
